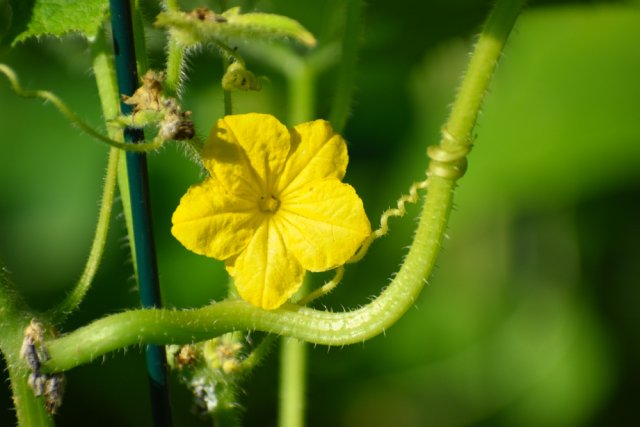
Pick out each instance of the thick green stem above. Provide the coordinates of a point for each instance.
(488, 49)
(301, 94)
(30, 409)
(347, 68)
(142, 59)
(320, 327)
(293, 375)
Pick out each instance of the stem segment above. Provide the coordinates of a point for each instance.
(14, 318)
(293, 376)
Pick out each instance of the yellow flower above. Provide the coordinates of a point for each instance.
(273, 205)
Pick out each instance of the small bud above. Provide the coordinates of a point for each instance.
(238, 77)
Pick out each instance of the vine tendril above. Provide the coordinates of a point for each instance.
(73, 117)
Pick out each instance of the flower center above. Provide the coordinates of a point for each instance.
(268, 203)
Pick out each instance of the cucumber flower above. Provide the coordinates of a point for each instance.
(273, 206)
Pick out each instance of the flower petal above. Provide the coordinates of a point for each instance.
(324, 224)
(316, 153)
(265, 274)
(209, 221)
(247, 151)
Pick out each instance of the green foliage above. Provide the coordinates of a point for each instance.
(57, 18)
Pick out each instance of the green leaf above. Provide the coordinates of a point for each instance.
(202, 25)
(56, 18)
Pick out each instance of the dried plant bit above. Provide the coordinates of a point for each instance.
(177, 125)
(151, 107)
(33, 338)
(204, 14)
(149, 95)
(50, 386)
(187, 355)
(53, 391)
(237, 77)
(31, 351)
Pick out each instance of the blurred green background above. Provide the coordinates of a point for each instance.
(531, 318)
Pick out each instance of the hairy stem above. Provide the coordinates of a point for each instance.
(316, 326)
(482, 64)
(30, 409)
(175, 57)
(77, 294)
(14, 318)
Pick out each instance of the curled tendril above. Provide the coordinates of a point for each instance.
(73, 117)
(399, 211)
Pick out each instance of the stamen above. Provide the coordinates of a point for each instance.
(268, 204)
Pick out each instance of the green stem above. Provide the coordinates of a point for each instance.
(347, 69)
(175, 58)
(301, 94)
(109, 101)
(30, 409)
(77, 294)
(14, 318)
(142, 59)
(105, 74)
(175, 61)
(293, 364)
(482, 64)
(315, 326)
(257, 355)
(107, 84)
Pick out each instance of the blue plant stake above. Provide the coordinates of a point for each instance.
(124, 51)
